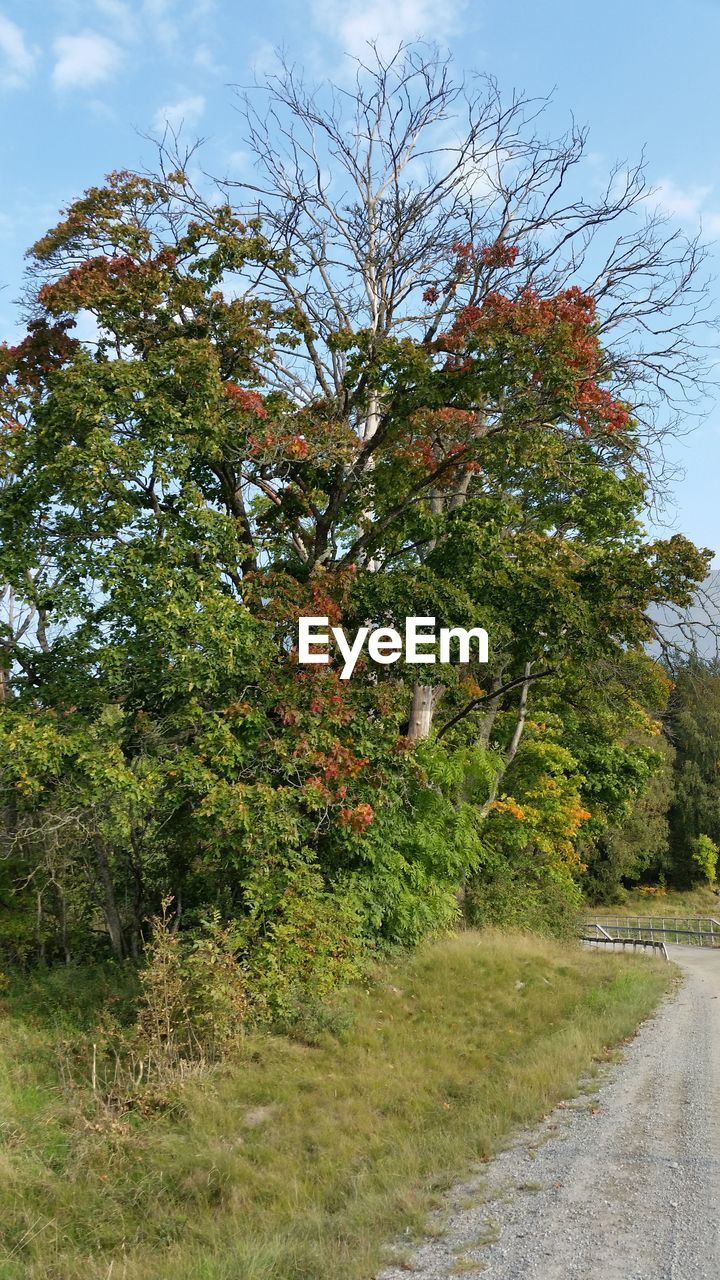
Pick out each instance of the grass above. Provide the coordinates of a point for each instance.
(651, 901)
(300, 1161)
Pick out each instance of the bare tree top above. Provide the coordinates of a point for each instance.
(372, 187)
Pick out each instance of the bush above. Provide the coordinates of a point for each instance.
(526, 892)
(704, 856)
(190, 1012)
(301, 942)
(193, 1001)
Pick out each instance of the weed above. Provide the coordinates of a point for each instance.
(286, 1159)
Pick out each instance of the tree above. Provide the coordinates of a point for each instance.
(389, 393)
(423, 215)
(693, 727)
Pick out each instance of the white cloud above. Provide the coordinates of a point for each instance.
(265, 60)
(388, 22)
(238, 163)
(711, 224)
(176, 114)
(205, 59)
(168, 18)
(120, 18)
(163, 18)
(103, 111)
(687, 204)
(85, 60)
(17, 60)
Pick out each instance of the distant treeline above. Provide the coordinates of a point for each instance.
(672, 834)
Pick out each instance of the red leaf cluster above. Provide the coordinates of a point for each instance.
(359, 818)
(557, 332)
(247, 401)
(498, 254)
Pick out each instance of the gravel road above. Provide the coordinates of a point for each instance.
(623, 1183)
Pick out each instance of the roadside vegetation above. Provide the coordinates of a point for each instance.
(228, 412)
(415, 372)
(654, 900)
(663, 854)
(301, 1155)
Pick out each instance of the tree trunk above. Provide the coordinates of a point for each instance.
(424, 701)
(110, 908)
(514, 742)
(63, 926)
(138, 895)
(38, 929)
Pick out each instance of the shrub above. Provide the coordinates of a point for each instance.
(192, 1002)
(525, 892)
(301, 942)
(190, 1012)
(704, 856)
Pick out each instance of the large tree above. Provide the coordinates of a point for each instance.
(448, 282)
(410, 371)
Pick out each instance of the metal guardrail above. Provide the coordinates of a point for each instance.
(700, 931)
(644, 943)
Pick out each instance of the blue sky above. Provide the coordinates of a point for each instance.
(81, 82)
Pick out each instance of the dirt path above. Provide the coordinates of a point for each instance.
(623, 1184)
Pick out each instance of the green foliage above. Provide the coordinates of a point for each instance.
(423, 841)
(523, 891)
(704, 854)
(693, 726)
(172, 500)
(635, 845)
(300, 942)
(193, 1000)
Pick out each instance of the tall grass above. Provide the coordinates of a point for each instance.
(653, 901)
(302, 1158)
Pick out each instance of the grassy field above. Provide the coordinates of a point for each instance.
(657, 902)
(302, 1159)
